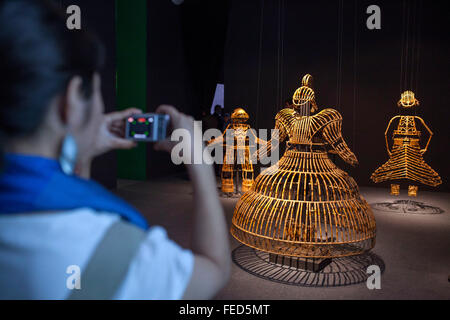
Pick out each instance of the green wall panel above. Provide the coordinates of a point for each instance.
(131, 77)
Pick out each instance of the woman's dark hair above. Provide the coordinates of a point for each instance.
(38, 57)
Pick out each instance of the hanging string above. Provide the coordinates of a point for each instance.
(60, 2)
(418, 40)
(405, 76)
(283, 29)
(279, 53)
(258, 89)
(403, 46)
(408, 25)
(413, 32)
(355, 74)
(339, 53)
(411, 46)
(419, 45)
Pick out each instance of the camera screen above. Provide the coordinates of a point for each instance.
(149, 127)
(140, 128)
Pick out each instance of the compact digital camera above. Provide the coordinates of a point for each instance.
(147, 127)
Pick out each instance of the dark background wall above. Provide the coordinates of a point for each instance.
(167, 81)
(99, 17)
(186, 46)
(271, 44)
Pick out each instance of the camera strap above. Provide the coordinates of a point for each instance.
(109, 264)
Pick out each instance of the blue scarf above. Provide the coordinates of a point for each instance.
(35, 184)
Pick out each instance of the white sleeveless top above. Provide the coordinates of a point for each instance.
(36, 251)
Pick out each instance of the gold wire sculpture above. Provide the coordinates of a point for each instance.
(237, 155)
(305, 206)
(406, 155)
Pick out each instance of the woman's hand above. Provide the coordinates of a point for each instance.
(111, 136)
(179, 120)
(112, 132)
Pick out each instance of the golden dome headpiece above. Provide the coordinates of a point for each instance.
(408, 100)
(307, 81)
(305, 94)
(239, 114)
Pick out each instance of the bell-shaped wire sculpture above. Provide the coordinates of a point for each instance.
(305, 206)
(406, 155)
(237, 168)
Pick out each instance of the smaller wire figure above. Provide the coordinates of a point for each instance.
(237, 163)
(406, 155)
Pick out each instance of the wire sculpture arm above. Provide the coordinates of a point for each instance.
(386, 135)
(257, 140)
(430, 134)
(333, 135)
(219, 139)
(277, 137)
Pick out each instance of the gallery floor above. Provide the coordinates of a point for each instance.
(415, 247)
